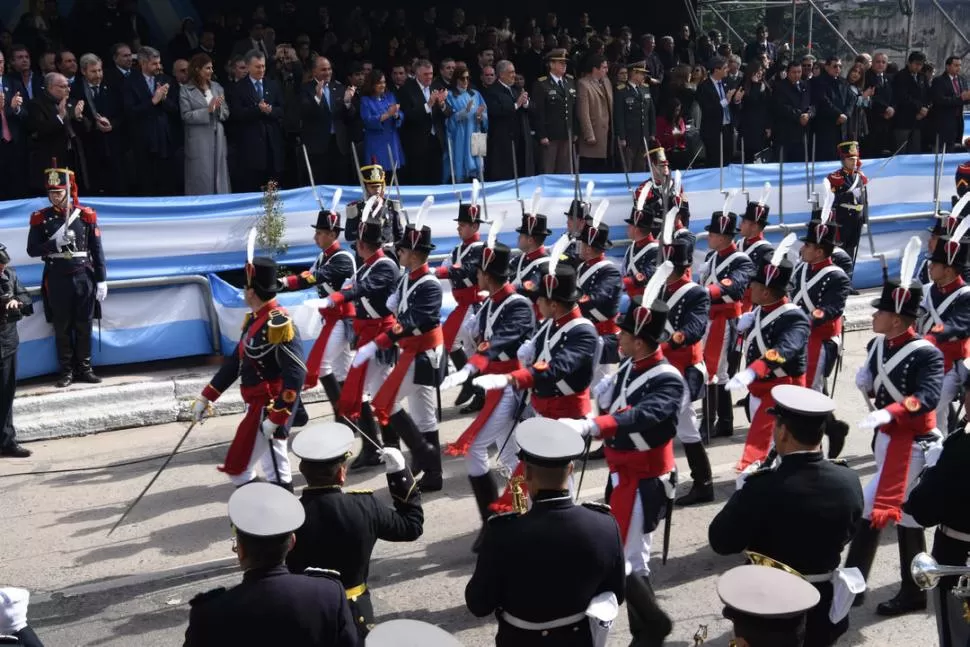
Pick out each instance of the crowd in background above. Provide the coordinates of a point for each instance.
(230, 103)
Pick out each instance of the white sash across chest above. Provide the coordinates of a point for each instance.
(329, 289)
(803, 297)
(884, 368)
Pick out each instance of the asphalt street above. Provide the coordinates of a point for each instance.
(133, 587)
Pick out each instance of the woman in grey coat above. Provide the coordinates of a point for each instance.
(202, 103)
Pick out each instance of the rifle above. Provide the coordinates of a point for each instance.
(515, 174)
(451, 162)
(313, 186)
(626, 170)
(396, 183)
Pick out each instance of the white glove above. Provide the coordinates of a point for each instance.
(527, 352)
(102, 291)
(932, 455)
(393, 460)
(741, 380)
(268, 428)
(60, 237)
(456, 378)
(875, 419)
(603, 391)
(365, 353)
(470, 325)
(745, 322)
(393, 301)
(863, 379)
(319, 304)
(447, 263)
(581, 426)
(200, 409)
(745, 473)
(491, 382)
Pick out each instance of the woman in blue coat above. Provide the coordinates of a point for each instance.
(382, 117)
(468, 115)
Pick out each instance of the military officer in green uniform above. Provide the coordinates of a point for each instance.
(554, 114)
(634, 117)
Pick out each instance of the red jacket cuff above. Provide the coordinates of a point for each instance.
(338, 298)
(441, 272)
(760, 368)
(383, 341)
(628, 282)
(210, 393)
(607, 425)
(278, 416)
(292, 282)
(479, 361)
(523, 378)
(715, 291)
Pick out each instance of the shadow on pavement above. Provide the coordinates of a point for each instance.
(142, 623)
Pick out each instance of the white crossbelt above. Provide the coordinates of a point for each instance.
(802, 297)
(585, 276)
(491, 316)
(458, 255)
(329, 289)
(715, 270)
(364, 301)
(628, 388)
(674, 300)
(408, 290)
(883, 369)
(760, 323)
(936, 313)
(755, 245)
(522, 273)
(542, 626)
(632, 258)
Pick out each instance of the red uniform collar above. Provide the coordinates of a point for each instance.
(901, 339)
(330, 251)
(643, 242)
(648, 362)
(269, 305)
(727, 251)
(952, 286)
(593, 261)
(752, 241)
(538, 253)
(824, 263)
(418, 273)
(373, 258)
(499, 295)
(774, 306)
(474, 239)
(679, 283)
(569, 316)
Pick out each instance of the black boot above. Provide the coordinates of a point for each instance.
(862, 551)
(709, 412)
(910, 598)
(332, 389)
(477, 400)
(702, 487)
(423, 456)
(649, 625)
(433, 479)
(368, 453)
(14, 449)
(82, 354)
(64, 342)
(485, 491)
(725, 414)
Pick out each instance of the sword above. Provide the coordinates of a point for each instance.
(515, 175)
(582, 472)
(373, 442)
(696, 155)
(360, 176)
(744, 191)
(161, 469)
(626, 170)
(451, 162)
(481, 178)
(669, 517)
(396, 183)
(313, 186)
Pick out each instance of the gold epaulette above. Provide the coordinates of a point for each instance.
(570, 77)
(358, 491)
(248, 319)
(280, 327)
(543, 78)
(621, 86)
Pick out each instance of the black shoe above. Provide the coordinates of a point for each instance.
(862, 551)
(699, 493)
(288, 486)
(723, 429)
(467, 394)
(88, 377)
(64, 381)
(15, 450)
(910, 598)
(485, 491)
(906, 601)
(431, 482)
(368, 452)
(597, 454)
(476, 404)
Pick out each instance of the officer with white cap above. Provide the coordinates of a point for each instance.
(14, 629)
(410, 633)
(766, 605)
(342, 526)
(271, 606)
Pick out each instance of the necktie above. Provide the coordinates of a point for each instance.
(4, 126)
(259, 90)
(151, 85)
(326, 95)
(97, 92)
(956, 86)
(882, 80)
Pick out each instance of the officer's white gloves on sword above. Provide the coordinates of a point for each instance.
(102, 291)
(200, 409)
(745, 322)
(61, 238)
(393, 460)
(458, 377)
(268, 428)
(582, 426)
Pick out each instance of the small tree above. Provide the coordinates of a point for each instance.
(271, 225)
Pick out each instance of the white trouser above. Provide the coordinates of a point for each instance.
(636, 549)
(338, 354)
(601, 371)
(463, 339)
(687, 430)
(951, 385)
(730, 337)
(916, 463)
(494, 432)
(377, 373)
(422, 403)
(818, 380)
(262, 457)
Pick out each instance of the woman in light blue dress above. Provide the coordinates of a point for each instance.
(468, 115)
(382, 116)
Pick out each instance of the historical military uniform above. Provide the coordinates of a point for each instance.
(756, 247)
(268, 361)
(330, 356)
(271, 606)
(519, 575)
(820, 290)
(776, 342)
(801, 513)
(849, 185)
(577, 218)
(392, 228)
(903, 375)
(68, 238)
(553, 103)
(941, 499)
(961, 181)
(343, 526)
(634, 119)
(10, 290)
(944, 225)
(946, 323)
(601, 286)
(527, 269)
(640, 258)
(502, 325)
(725, 275)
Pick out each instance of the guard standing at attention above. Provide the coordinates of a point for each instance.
(15, 304)
(554, 115)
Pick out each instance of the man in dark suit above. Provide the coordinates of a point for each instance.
(949, 93)
(100, 130)
(149, 107)
(52, 120)
(879, 143)
(912, 95)
(256, 113)
(508, 118)
(833, 102)
(792, 111)
(119, 69)
(30, 79)
(327, 106)
(13, 137)
(423, 130)
(717, 117)
(760, 46)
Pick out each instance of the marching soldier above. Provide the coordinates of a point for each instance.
(753, 242)
(641, 404)
(527, 266)
(771, 515)
(903, 374)
(635, 117)
(640, 258)
(15, 304)
(503, 324)
(268, 360)
(962, 182)
(68, 238)
(849, 185)
(820, 288)
(550, 606)
(665, 192)
(461, 268)
(725, 276)
(330, 356)
(271, 606)
(373, 284)
(945, 224)
(776, 342)
(374, 180)
(341, 526)
(417, 333)
(554, 115)
(600, 285)
(578, 216)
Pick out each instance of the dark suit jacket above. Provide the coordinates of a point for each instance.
(36, 81)
(50, 138)
(416, 128)
(910, 95)
(947, 110)
(881, 100)
(110, 103)
(789, 104)
(506, 127)
(318, 118)
(258, 137)
(712, 115)
(16, 121)
(753, 50)
(149, 124)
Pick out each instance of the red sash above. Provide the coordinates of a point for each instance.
(721, 313)
(953, 351)
(607, 327)
(241, 449)
(758, 442)
(492, 398)
(386, 396)
(331, 316)
(891, 489)
(466, 298)
(632, 467)
(820, 334)
(683, 357)
(352, 393)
